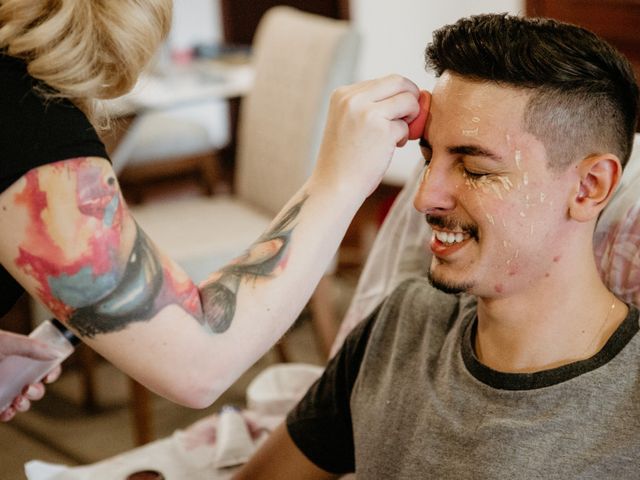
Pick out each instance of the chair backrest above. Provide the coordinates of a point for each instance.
(299, 59)
(240, 18)
(398, 251)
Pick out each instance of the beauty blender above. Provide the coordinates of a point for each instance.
(416, 127)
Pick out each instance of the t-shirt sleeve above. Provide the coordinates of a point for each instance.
(320, 425)
(35, 131)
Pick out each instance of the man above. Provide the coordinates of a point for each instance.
(522, 364)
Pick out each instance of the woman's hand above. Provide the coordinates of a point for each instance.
(366, 122)
(21, 345)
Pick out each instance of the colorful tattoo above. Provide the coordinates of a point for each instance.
(264, 259)
(90, 284)
(95, 268)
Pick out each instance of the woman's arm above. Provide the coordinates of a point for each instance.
(70, 240)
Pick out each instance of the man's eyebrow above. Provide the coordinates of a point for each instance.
(474, 151)
(470, 150)
(424, 143)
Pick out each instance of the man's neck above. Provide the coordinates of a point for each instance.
(548, 325)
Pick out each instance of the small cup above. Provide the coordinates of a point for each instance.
(146, 475)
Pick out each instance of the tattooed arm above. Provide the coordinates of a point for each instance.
(74, 245)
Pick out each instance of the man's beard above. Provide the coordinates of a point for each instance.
(448, 287)
(452, 224)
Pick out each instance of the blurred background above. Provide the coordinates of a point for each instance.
(186, 134)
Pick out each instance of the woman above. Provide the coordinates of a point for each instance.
(74, 246)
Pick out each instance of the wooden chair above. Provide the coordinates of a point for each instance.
(169, 144)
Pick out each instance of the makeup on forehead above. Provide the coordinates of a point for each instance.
(470, 150)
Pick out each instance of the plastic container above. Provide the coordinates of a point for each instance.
(17, 372)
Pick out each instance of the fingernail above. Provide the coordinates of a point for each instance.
(32, 391)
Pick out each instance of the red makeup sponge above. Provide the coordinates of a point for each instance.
(416, 127)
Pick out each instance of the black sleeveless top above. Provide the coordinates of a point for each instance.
(34, 132)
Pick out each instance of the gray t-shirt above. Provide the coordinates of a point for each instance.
(407, 398)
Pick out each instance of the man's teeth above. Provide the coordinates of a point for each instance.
(449, 237)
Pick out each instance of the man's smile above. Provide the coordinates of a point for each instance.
(444, 243)
(450, 237)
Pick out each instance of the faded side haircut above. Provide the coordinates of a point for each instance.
(584, 96)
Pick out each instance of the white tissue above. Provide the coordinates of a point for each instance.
(234, 443)
(277, 389)
(38, 470)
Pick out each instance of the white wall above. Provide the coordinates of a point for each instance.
(394, 35)
(195, 22)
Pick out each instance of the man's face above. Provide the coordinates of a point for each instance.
(498, 213)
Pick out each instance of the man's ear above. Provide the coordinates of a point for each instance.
(598, 177)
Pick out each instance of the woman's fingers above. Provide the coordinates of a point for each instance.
(14, 344)
(414, 115)
(401, 132)
(384, 87)
(30, 393)
(7, 414)
(403, 105)
(21, 404)
(53, 375)
(34, 391)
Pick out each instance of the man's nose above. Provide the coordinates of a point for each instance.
(435, 195)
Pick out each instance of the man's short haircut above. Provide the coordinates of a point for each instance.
(584, 97)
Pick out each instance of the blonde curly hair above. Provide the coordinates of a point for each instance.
(84, 50)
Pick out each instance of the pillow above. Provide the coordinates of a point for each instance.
(617, 236)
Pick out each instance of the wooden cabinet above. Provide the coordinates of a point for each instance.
(240, 17)
(617, 21)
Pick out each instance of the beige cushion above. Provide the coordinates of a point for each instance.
(299, 59)
(201, 233)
